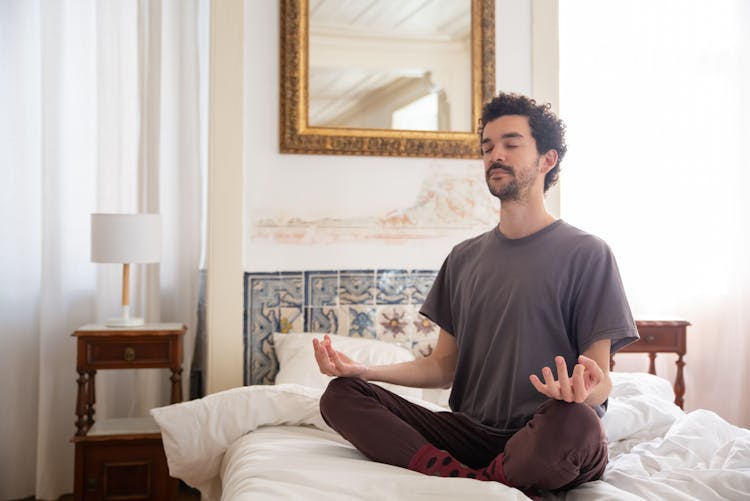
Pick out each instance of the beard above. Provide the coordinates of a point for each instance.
(511, 190)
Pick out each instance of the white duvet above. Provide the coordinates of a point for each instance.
(270, 442)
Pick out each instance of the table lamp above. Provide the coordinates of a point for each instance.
(125, 239)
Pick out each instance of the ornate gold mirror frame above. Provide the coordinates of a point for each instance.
(296, 136)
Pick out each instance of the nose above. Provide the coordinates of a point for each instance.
(497, 154)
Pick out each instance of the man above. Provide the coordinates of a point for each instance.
(528, 314)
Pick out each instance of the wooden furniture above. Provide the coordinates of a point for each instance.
(662, 336)
(123, 458)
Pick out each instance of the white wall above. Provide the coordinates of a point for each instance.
(321, 186)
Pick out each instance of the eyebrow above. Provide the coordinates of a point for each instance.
(509, 135)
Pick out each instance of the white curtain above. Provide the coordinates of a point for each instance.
(101, 112)
(656, 96)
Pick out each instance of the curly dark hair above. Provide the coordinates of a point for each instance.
(548, 130)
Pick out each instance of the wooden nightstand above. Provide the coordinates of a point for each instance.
(662, 336)
(123, 458)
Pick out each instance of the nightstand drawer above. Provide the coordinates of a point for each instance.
(658, 338)
(123, 468)
(109, 353)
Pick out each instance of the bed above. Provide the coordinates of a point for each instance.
(267, 440)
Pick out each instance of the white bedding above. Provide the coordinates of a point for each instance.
(270, 442)
(295, 462)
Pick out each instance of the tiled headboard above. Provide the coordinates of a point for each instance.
(382, 304)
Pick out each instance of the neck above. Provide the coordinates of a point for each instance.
(521, 218)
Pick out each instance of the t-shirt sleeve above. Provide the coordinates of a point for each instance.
(601, 308)
(437, 304)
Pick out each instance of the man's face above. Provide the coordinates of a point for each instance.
(512, 164)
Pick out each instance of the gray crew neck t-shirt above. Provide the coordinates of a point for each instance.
(515, 304)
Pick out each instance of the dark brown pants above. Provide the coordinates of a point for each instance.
(561, 447)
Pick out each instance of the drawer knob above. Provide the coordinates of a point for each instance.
(129, 354)
(650, 339)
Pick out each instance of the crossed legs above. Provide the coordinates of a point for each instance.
(562, 446)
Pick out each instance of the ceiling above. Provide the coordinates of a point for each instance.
(361, 48)
(424, 19)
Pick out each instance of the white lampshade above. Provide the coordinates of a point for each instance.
(125, 238)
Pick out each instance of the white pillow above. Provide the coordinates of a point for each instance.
(640, 406)
(297, 363)
(630, 384)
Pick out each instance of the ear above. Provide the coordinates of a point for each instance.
(547, 161)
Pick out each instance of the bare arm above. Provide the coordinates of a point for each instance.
(589, 383)
(599, 353)
(433, 371)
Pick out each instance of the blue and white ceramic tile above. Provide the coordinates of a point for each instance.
(271, 298)
(380, 304)
(264, 290)
(395, 323)
(290, 291)
(322, 320)
(291, 319)
(321, 288)
(421, 282)
(392, 287)
(265, 367)
(425, 334)
(360, 321)
(423, 347)
(357, 287)
(262, 324)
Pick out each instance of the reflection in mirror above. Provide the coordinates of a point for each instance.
(385, 77)
(386, 64)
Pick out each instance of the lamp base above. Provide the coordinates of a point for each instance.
(124, 322)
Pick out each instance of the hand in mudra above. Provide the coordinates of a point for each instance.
(334, 363)
(576, 388)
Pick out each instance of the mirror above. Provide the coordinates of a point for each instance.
(381, 78)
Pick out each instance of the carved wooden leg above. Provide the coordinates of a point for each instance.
(81, 403)
(91, 400)
(679, 382)
(652, 363)
(176, 379)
